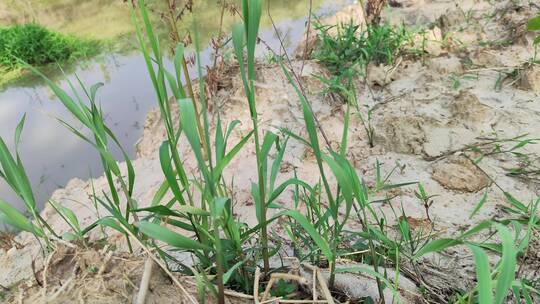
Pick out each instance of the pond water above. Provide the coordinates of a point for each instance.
(51, 154)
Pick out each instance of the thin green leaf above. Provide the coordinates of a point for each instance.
(18, 132)
(165, 211)
(174, 239)
(483, 275)
(17, 219)
(436, 246)
(479, 205)
(313, 233)
(507, 265)
(534, 24)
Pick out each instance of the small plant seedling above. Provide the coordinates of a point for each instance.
(534, 26)
(282, 289)
(427, 200)
(456, 80)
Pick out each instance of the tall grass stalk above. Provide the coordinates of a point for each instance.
(212, 219)
(180, 57)
(248, 35)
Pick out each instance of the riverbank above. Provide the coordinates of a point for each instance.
(469, 96)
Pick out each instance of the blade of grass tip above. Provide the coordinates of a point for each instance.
(252, 35)
(160, 193)
(68, 214)
(245, 14)
(277, 164)
(516, 203)
(179, 211)
(173, 85)
(145, 52)
(226, 159)
(93, 90)
(483, 275)
(292, 181)
(474, 230)
(108, 159)
(18, 131)
(479, 205)
(268, 141)
(507, 265)
(61, 94)
(238, 35)
(154, 42)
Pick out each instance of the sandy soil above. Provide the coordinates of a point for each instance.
(427, 110)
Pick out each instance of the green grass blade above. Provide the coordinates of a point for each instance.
(63, 96)
(313, 233)
(238, 35)
(435, 246)
(479, 205)
(174, 239)
(507, 266)
(276, 164)
(68, 214)
(225, 160)
(165, 211)
(252, 35)
(230, 272)
(170, 176)
(18, 132)
(15, 176)
(292, 181)
(483, 275)
(17, 219)
(189, 125)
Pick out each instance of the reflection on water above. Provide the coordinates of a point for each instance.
(51, 154)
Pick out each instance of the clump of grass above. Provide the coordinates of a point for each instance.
(352, 46)
(38, 46)
(347, 49)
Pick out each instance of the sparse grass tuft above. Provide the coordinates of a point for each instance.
(352, 46)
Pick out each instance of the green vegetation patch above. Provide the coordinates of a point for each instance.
(348, 45)
(38, 46)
